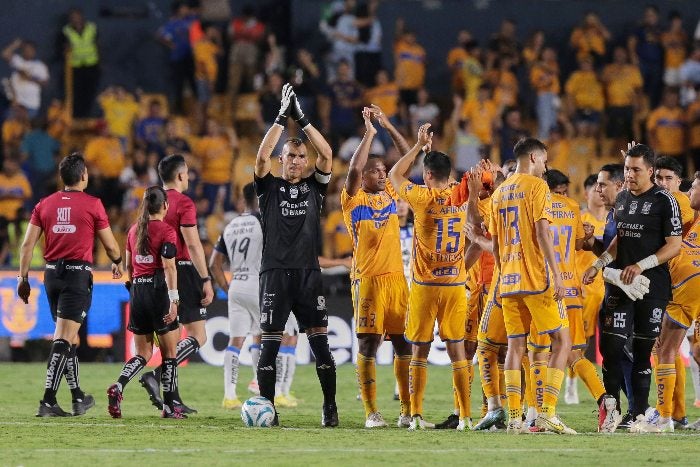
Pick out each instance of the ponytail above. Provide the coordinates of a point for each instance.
(153, 200)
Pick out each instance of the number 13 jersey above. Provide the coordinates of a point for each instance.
(242, 243)
(438, 241)
(516, 206)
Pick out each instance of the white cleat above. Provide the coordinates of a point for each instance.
(515, 426)
(375, 420)
(253, 387)
(464, 424)
(553, 424)
(571, 391)
(404, 421)
(652, 422)
(417, 423)
(608, 416)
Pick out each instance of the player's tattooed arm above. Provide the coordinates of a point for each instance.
(359, 158)
(397, 174)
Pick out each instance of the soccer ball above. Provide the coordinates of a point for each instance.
(257, 411)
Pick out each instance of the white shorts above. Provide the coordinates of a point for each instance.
(243, 315)
(292, 327)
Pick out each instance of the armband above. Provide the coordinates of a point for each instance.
(303, 122)
(117, 261)
(322, 177)
(604, 259)
(649, 262)
(168, 250)
(174, 296)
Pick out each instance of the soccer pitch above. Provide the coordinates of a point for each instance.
(217, 437)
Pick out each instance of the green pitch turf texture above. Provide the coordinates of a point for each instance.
(217, 437)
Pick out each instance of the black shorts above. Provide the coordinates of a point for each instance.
(189, 286)
(148, 304)
(68, 289)
(620, 315)
(297, 290)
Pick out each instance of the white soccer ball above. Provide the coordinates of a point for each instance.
(257, 412)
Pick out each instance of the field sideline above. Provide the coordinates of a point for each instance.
(217, 437)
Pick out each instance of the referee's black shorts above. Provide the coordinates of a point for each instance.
(189, 286)
(297, 290)
(148, 305)
(68, 289)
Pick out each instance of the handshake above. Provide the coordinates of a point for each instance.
(289, 107)
(636, 290)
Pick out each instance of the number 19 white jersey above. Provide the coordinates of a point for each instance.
(242, 242)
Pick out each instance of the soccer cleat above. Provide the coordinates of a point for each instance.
(652, 422)
(404, 421)
(396, 397)
(571, 391)
(650, 416)
(276, 420)
(492, 418)
(530, 426)
(329, 416)
(231, 404)
(285, 401)
(80, 406)
(450, 424)
(150, 383)
(174, 412)
(626, 421)
(694, 426)
(114, 399)
(609, 417)
(553, 424)
(375, 420)
(464, 424)
(253, 387)
(417, 423)
(183, 408)
(48, 410)
(681, 424)
(515, 426)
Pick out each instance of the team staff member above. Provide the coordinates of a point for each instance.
(153, 300)
(290, 276)
(193, 278)
(649, 231)
(380, 294)
(69, 220)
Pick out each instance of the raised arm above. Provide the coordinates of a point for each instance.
(397, 174)
(396, 136)
(263, 161)
(359, 158)
(8, 51)
(324, 161)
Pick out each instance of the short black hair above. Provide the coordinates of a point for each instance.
(669, 163)
(643, 151)
(615, 171)
(373, 157)
(72, 168)
(168, 167)
(525, 146)
(555, 178)
(439, 164)
(591, 180)
(249, 194)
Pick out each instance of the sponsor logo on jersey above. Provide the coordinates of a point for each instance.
(633, 207)
(63, 225)
(293, 192)
(144, 259)
(268, 299)
(646, 207)
(304, 188)
(282, 189)
(656, 315)
(294, 209)
(510, 279)
(321, 300)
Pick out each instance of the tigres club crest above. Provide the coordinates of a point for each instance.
(19, 319)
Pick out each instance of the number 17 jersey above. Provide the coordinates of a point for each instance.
(516, 206)
(242, 243)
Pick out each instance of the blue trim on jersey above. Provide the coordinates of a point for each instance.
(438, 284)
(538, 346)
(489, 341)
(416, 342)
(677, 323)
(542, 333)
(573, 307)
(579, 347)
(515, 336)
(367, 213)
(685, 280)
(454, 341)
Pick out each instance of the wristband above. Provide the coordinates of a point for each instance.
(21, 279)
(174, 296)
(649, 262)
(281, 120)
(303, 122)
(117, 261)
(205, 279)
(604, 259)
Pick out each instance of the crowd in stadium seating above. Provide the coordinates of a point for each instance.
(644, 86)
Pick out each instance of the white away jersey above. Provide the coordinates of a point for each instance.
(242, 242)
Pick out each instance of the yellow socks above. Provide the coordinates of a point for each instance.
(502, 383)
(529, 390)
(488, 366)
(665, 383)
(679, 389)
(367, 379)
(417, 379)
(585, 370)
(401, 363)
(555, 377)
(538, 378)
(460, 380)
(513, 387)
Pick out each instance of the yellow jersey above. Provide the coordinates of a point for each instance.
(216, 156)
(409, 62)
(622, 82)
(119, 114)
(586, 90)
(373, 224)
(687, 264)
(516, 206)
(587, 40)
(481, 116)
(204, 52)
(544, 77)
(14, 191)
(335, 228)
(566, 229)
(385, 96)
(694, 122)
(675, 44)
(438, 241)
(105, 154)
(687, 213)
(669, 125)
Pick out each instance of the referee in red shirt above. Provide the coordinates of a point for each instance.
(69, 220)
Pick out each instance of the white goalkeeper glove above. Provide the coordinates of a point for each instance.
(636, 290)
(285, 104)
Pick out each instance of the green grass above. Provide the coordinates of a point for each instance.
(217, 437)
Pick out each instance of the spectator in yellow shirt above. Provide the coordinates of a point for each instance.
(409, 62)
(544, 77)
(14, 128)
(473, 72)
(623, 87)
(59, 120)
(675, 42)
(15, 189)
(105, 160)
(585, 97)
(337, 242)
(216, 151)
(589, 38)
(504, 82)
(120, 111)
(206, 51)
(693, 119)
(456, 60)
(484, 115)
(666, 127)
(533, 48)
(385, 95)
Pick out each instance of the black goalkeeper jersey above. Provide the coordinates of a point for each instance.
(291, 220)
(643, 223)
